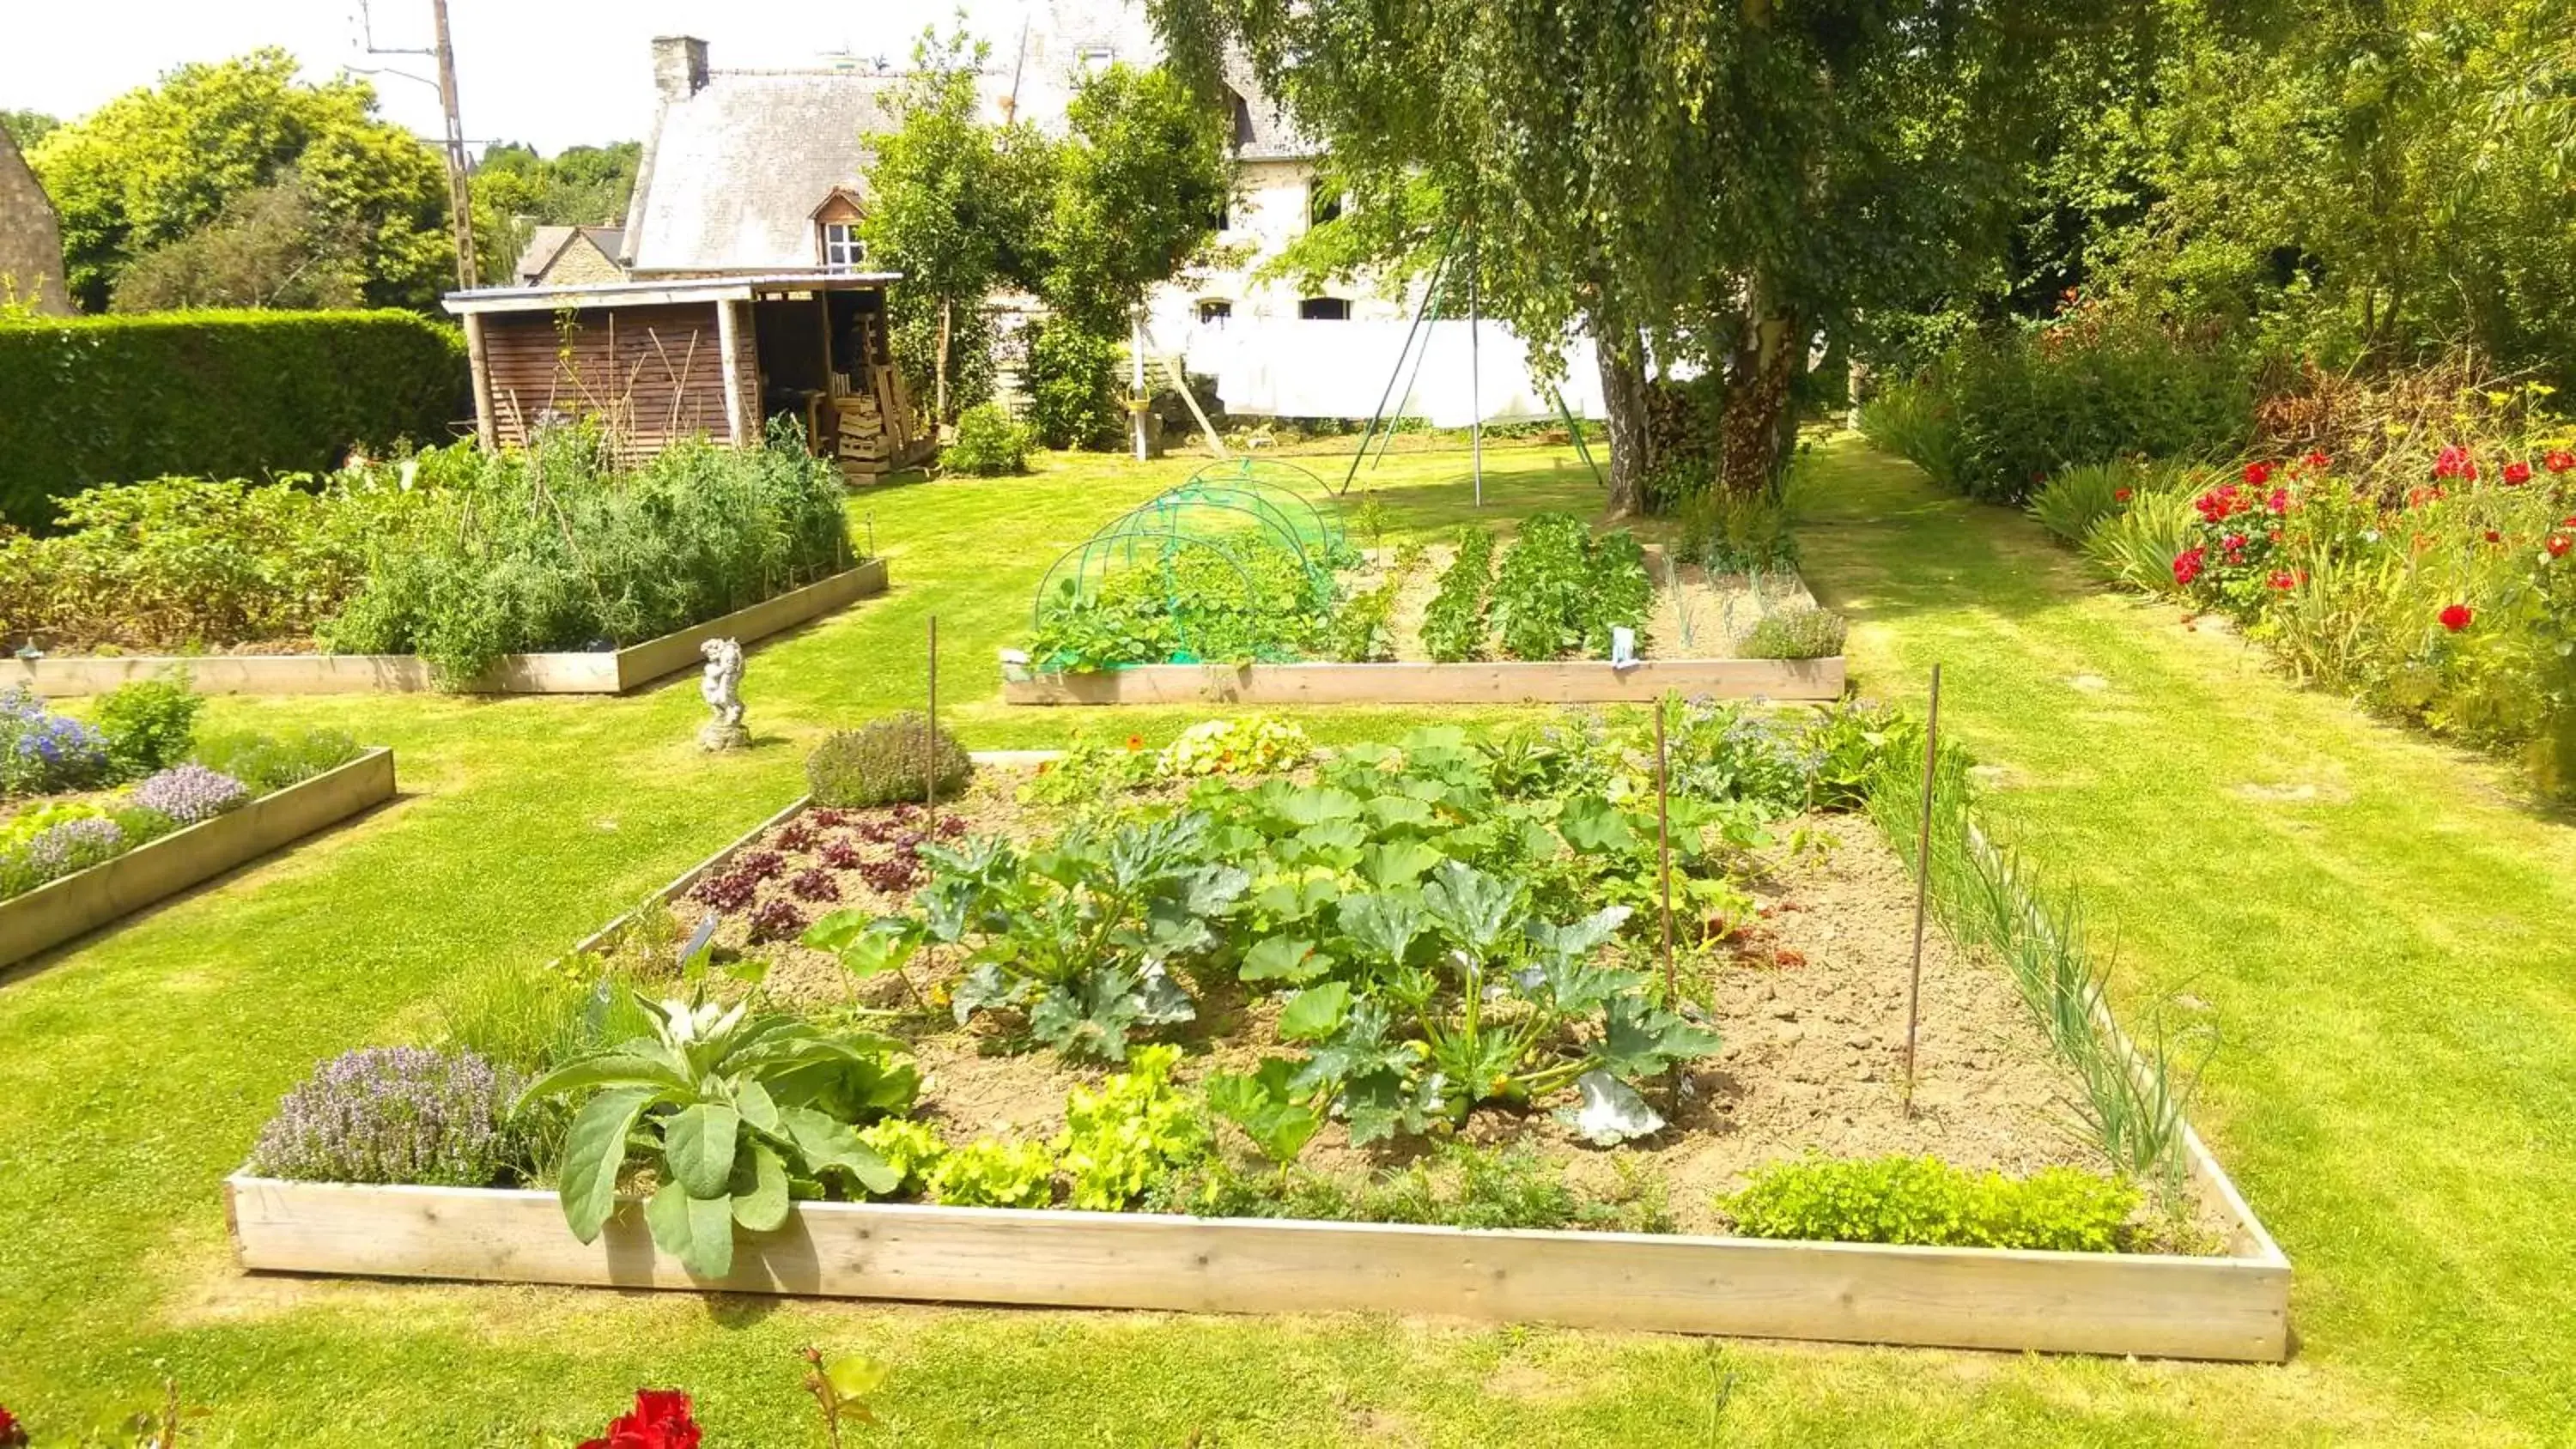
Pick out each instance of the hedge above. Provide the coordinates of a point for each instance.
(94, 400)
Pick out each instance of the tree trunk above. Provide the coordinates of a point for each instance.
(1755, 429)
(1623, 396)
(939, 375)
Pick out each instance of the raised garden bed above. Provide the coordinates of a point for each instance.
(1800, 980)
(601, 672)
(1498, 681)
(75, 905)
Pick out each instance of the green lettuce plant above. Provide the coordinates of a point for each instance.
(734, 1112)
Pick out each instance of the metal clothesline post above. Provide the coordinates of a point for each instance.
(1475, 399)
(1419, 312)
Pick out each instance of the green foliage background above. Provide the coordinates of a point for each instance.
(114, 399)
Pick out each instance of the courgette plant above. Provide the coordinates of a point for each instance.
(735, 1113)
(1079, 934)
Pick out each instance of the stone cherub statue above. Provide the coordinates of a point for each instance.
(722, 690)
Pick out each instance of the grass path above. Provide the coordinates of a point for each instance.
(2386, 954)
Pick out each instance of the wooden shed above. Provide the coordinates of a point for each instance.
(655, 362)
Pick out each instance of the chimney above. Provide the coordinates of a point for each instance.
(679, 66)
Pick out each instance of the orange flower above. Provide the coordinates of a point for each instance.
(1135, 742)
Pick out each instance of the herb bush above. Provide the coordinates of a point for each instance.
(190, 793)
(98, 400)
(454, 555)
(1800, 633)
(886, 761)
(150, 725)
(266, 762)
(396, 1115)
(1929, 1203)
(988, 444)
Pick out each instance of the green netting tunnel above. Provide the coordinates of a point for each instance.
(1207, 569)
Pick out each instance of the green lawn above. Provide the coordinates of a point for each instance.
(2386, 956)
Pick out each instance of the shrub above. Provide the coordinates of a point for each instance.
(885, 761)
(1073, 387)
(1914, 421)
(42, 752)
(190, 793)
(268, 763)
(149, 724)
(1728, 532)
(1928, 1203)
(93, 400)
(395, 1115)
(988, 444)
(2138, 544)
(1796, 634)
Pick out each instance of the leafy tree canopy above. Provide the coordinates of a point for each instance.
(27, 127)
(156, 165)
(515, 190)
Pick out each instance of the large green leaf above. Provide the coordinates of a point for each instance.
(759, 1189)
(697, 1143)
(1316, 1012)
(753, 1101)
(696, 1230)
(1639, 1038)
(619, 1068)
(594, 1153)
(1593, 825)
(825, 1143)
(1387, 923)
(1282, 958)
(1397, 863)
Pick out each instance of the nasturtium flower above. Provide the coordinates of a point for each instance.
(2457, 617)
(2318, 460)
(2559, 460)
(2558, 545)
(2119, 495)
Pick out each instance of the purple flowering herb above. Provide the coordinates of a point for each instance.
(190, 793)
(74, 845)
(395, 1115)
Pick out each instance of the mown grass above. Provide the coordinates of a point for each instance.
(2387, 959)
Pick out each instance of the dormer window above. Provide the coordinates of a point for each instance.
(842, 249)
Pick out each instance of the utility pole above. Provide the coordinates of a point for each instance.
(460, 197)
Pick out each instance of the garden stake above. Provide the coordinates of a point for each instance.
(930, 728)
(1922, 880)
(1664, 874)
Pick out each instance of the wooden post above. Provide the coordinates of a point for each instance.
(477, 363)
(1922, 880)
(729, 355)
(939, 376)
(1136, 379)
(930, 727)
(1664, 875)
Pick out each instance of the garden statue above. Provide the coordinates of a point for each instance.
(722, 690)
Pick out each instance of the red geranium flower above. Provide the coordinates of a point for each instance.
(2517, 474)
(2317, 459)
(2454, 462)
(2257, 474)
(2559, 460)
(2279, 502)
(660, 1421)
(2234, 543)
(2119, 495)
(2283, 579)
(2457, 617)
(2188, 564)
(2558, 545)
(2494, 537)
(2216, 504)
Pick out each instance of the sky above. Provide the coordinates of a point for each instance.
(552, 73)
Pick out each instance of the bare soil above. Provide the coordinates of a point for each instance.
(1810, 996)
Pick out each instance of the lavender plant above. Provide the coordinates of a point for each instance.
(190, 793)
(396, 1115)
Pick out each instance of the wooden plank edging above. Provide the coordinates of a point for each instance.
(2215, 1308)
(1506, 681)
(75, 905)
(560, 672)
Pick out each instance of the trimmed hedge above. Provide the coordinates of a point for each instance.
(94, 400)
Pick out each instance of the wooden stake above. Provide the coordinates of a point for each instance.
(930, 727)
(1664, 875)
(1922, 880)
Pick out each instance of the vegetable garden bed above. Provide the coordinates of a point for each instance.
(77, 904)
(1500, 681)
(564, 672)
(1772, 1047)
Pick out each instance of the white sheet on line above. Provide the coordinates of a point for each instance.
(1302, 369)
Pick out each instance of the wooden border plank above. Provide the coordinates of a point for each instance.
(2215, 1308)
(1496, 682)
(76, 905)
(567, 672)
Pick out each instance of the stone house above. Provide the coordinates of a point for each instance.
(570, 256)
(31, 239)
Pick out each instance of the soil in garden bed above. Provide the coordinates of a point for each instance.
(1810, 998)
(1695, 614)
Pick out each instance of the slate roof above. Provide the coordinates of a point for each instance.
(1262, 130)
(546, 243)
(734, 172)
